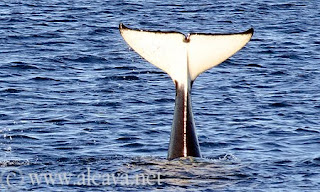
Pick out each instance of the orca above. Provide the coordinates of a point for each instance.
(184, 58)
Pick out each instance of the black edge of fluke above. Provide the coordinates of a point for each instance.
(122, 26)
(249, 31)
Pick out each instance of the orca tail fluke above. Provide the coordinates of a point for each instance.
(173, 51)
(184, 58)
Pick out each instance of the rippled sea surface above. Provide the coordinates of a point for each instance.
(75, 99)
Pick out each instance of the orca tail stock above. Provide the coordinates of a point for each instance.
(184, 58)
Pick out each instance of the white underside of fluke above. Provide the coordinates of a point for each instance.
(184, 57)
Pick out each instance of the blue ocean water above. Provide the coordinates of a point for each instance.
(74, 97)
